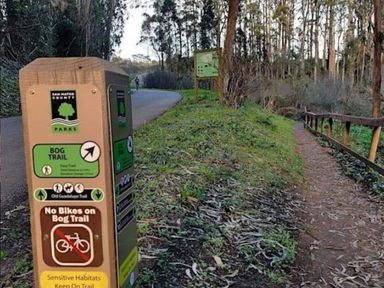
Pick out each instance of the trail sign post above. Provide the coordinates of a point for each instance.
(207, 66)
(77, 119)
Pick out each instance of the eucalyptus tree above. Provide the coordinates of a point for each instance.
(207, 25)
(61, 28)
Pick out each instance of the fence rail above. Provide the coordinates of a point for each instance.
(316, 123)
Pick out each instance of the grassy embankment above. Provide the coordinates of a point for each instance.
(215, 195)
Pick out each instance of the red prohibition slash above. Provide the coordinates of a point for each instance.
(84, 256)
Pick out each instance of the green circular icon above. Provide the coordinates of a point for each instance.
(40, 194)
(97, 195)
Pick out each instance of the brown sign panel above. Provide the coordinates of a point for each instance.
(75, 184)
(71, 236)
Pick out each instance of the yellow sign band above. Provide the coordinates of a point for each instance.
(128, 266)
(71, 279)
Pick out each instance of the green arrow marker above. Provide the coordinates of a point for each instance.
(97, 195)
(40, 194)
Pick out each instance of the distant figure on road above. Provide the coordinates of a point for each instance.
(137, 82)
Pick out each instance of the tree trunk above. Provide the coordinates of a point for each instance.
(313, 15)
(228, 44)
(350, 59)
(304, 13)
(317, 24)
(290, 33)
(325, 36)
(187, 45)
(362, 69)
(376, 111)
(87, 26)
(331, 45)
(245, 40)
(107, 40)
(218, 26)
(268, 32)
(162, 61)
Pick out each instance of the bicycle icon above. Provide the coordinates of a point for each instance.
(72, 245)
(63, 246)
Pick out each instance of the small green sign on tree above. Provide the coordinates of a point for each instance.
(66, 110)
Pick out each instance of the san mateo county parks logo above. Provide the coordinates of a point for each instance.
(64, 112)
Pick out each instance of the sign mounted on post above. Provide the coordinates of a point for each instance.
(207, 63)
(77, 118)
(207, 66)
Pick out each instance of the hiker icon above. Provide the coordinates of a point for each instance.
(68, 188)
(58, 188)
(47, 170)
(79, 188)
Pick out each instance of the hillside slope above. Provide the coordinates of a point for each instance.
(215, 194)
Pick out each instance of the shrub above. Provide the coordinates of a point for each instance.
(324, 95)
(289, 112)
(9, 88)
(167, 80)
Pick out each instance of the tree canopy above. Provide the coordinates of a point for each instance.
(32, 29)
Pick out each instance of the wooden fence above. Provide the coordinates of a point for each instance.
(316, 123)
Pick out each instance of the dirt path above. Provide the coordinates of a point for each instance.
(342, 237)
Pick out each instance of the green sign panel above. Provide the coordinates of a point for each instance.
(207, 63)
(120, 106)
(66, 160)
(123, 154)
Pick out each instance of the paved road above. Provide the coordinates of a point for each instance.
(147, 105)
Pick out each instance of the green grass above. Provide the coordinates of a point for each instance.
(197, 135)
(3, 254)
(9, 100)
(23, 265)
(201, 144)
(280, 243)
(205, 155)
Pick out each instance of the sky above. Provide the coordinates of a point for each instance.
(131, 36)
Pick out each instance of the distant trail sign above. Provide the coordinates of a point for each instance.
(77, 122)
(207, 66)
(207, 63)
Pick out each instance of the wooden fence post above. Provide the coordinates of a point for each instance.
(305, 117)
(196, 89)
(375, 143)
(347, 128)
(316, 123)
(330, 122)
(322, 125)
